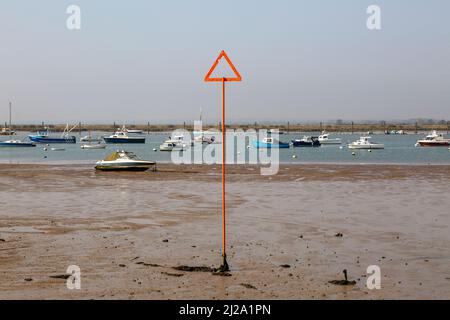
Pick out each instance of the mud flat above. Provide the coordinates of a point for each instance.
(289, 234)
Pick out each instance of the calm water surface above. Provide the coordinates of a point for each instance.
(399, 149)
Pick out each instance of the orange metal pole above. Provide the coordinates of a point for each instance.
(224, 255)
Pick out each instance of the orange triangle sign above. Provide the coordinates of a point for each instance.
(236, 73)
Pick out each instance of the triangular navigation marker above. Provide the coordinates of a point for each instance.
(236, 73)
(237, 77)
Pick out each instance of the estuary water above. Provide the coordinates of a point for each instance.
(399, 149)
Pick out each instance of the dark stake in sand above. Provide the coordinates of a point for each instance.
(344, 282)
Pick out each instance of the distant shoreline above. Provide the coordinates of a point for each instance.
(343, 128)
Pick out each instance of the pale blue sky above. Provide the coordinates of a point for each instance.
(138, 61)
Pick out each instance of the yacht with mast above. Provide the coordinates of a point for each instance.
(14, 143)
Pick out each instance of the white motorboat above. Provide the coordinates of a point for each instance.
(121, 136)
(175, 143)
(365, 143)
(134, 131)
(93, 146)
(324, 138)
(434, 139)
(123, 161)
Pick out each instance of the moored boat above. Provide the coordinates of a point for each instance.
(134, 131)
(324, 138)
(269, 142)
(365, 143)
(16, 143)
(306, 141)
(13, 143)
(176, 143)
(7, 132)
(434, 139)
(90, 138)
(123, 161)
(93, 146)
(45, 137)
(121, 136)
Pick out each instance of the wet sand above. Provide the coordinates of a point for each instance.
(127, 230)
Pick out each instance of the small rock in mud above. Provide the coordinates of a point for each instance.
(28, 279)
(2, 240)
(248, 286)
(165, 240)
(285, 266)
(339, 235)
(122, 265)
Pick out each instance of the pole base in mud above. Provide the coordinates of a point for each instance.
(224, 267)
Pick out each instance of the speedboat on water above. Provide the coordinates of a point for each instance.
(171, 145)
(269, 142)
(16, 143)
(324, 138)
(123, 161)
(176, 143)
(306, 141)
(45, 137)
(434, 139)
(365, 143)
(121, 136)
(93, 146)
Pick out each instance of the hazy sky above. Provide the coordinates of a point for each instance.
(138, 61)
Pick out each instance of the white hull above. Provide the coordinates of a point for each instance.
(369, 146)
(330, 141)
(93, 146)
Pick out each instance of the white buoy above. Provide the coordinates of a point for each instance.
(370, 150)
(353, 153)
(154, 149)
(294, 156)
(45, 149)
(248, 147)
(341, 147)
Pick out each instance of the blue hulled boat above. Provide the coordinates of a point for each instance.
(44, 137)
(306, 141)
(270, 142)
(16, 144)
(121, 136)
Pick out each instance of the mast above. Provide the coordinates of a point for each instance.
(10, 130)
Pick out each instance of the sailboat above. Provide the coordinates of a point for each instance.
(90, 144)
(14, 143)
